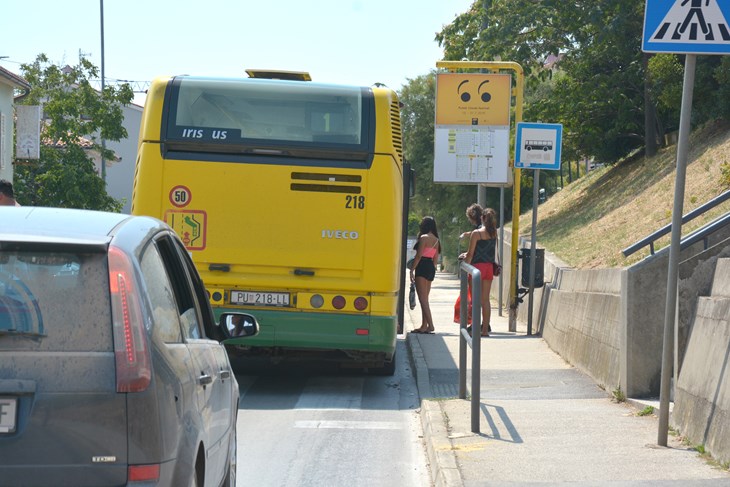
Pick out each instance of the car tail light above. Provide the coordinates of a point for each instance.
(143, 473)
(338, 302)
(130, 343)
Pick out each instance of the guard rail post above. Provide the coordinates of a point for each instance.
(474, 341)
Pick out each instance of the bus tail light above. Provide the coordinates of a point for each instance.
(316, 301)
(361, 304)
(338, 302)
(130, 343)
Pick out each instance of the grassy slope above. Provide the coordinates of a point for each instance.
(590, 221)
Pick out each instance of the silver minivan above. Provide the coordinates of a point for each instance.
(111, 367)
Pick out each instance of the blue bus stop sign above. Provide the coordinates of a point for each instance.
(538, 145)
(686, 27)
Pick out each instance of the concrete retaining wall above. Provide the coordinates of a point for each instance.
(577, 313)
(702, 396)
(583, 327)
(610, 324)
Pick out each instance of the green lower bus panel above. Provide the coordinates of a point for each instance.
(320, 331)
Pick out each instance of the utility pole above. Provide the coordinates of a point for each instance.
(103, 142)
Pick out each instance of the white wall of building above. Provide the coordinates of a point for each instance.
(120, 174)
(6, 126)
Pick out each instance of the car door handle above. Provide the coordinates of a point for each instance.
(205, 379)
(225, 374)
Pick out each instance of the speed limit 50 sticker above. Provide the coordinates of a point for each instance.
(180, 196)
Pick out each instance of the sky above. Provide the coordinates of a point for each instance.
(355, 42)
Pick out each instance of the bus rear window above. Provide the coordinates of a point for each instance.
(266, 113)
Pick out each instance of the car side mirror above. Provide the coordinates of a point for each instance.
(238, 325)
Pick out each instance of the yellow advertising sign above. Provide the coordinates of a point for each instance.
(473, 99)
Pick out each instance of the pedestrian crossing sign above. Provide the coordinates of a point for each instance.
(686, 26)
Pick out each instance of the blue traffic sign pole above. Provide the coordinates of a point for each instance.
(533, 246)
(537, 146)
(674, 250)
(691, 28)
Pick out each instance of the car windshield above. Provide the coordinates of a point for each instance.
(50, 296)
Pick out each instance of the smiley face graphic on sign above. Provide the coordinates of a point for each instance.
(473, 99)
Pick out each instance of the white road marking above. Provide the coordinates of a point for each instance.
(352, 425)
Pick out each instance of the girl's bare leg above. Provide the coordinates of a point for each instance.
(486, 307)
(423, 289)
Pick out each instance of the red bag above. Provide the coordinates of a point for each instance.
(457, 308)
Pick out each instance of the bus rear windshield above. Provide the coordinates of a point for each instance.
(273, 114)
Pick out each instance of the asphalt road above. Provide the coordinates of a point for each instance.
(305, 423)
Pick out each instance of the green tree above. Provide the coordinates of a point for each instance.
(76, 118)
(600, 94)
(667, 71)
(611, 97)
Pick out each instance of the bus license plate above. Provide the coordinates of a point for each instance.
(8, 414)
(256, 298)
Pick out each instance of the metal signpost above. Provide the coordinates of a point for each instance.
(537, 146)
(470, 109)
(688, 27)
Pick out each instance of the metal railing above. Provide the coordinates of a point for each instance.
(474, 341)
(703, 234)
(668, 228)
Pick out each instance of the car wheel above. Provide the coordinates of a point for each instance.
(230, 480)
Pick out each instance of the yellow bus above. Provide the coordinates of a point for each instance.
(291, 198)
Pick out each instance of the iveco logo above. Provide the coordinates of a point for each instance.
(340, 234)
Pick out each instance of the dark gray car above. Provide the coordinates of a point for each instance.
(111, 370)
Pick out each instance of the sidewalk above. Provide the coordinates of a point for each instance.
(542, 421)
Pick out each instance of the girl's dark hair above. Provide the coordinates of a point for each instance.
(6, 188)
(428, 224)
(474, 213)
(489, 218)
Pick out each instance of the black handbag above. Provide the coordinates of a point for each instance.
(412, 296)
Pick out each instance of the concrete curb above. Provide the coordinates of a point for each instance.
(423, 379)
(439, 450)
(442, 460)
